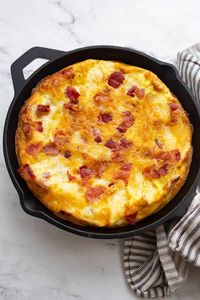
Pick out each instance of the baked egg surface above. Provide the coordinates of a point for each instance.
(103, 143)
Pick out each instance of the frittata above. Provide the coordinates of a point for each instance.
(103, 143)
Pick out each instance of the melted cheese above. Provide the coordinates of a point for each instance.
(152, 115)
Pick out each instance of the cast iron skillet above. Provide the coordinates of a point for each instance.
(59, 59)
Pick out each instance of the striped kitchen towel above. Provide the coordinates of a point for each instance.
(156, 262)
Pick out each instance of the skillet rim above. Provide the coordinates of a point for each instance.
(89, 231)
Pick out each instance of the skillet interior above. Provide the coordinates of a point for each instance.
(168, 74)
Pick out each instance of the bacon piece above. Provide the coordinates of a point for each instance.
(96, 133)
(68, 73)
(116, 156)
(170, 156)
(115, 84)
(118, 76)
(127, 122)
(126, 167)
(128, 119)
(102, 97)
(127, 113)
(175, 155)
(33, 148)
(72, 94)
(124, 172)
(93, 193)
(122, 127)
(86, 173)
(67, 154)
(50, 149)
(162, 155)
(150, 173)
(140, 93)
(131, 218)
(116, 79)
(134, 90)
(174, 116)
(42, 110)
(46, 175)
(162, 171)
(131, 91)
(27, 130)
(98, 139)
(173, 106)
(71, 106)
(124, 143)
(158, 143)
(105, 117)
(60, 138)
(99, 167)
(111, 144)
(38, 126)
(25, 110)
(70, 177)
(166, 156)
(26, 173)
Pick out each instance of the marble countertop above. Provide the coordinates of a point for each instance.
(37, 260)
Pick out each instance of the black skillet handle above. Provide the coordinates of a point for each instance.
(26, 58)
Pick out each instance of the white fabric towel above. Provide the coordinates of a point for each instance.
(156, 263)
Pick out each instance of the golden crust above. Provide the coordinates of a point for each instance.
(150, 130)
